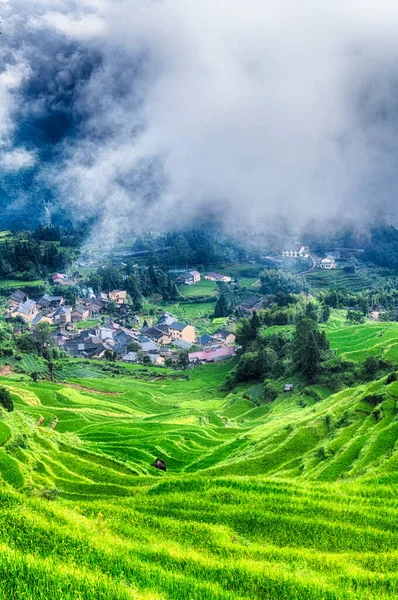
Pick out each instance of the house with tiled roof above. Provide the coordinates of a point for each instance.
(159, 334)
(25, 310)
(62, 315)
(17, 297)
(182, 331)
(48, 301)
(211, 355)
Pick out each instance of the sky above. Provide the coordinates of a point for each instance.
(152, 114)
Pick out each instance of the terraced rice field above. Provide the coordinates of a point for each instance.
(270, 501)
(339, 279)
(357, 342)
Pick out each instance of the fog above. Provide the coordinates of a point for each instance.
(252, 113)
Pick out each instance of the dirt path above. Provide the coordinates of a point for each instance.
(6, 370)
(83, 388)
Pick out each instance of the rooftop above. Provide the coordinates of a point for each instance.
(178, 326)
(209, 355)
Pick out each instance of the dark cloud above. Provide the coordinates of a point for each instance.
(150, 114)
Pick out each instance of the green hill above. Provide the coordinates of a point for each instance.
(293, 499)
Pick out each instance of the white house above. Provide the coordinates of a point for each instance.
(295, 251)
(328, 263)
(218, 277)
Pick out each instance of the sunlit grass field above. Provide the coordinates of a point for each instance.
(357, 342)
(183, 310)
(16, 283)
(284, 500)
(202, 288)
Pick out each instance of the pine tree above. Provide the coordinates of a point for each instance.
(221, 308)
(254, 324)
(307, 349)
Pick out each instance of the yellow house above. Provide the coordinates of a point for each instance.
(25, 310)
(118, 296)
(181, 331)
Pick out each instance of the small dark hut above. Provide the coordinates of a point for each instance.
(159, 464)
(288, 387)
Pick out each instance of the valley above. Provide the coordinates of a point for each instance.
(288, 499)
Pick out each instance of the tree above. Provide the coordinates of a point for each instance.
(133, 347)
(70, 295)
(34, 376)
(6, 400)
(110, 355)
(270, 391)
(111, 278)
(355, 317)
(371, 366)
(95, 281)
(111, 308)
(133, 288)
(274, 281)
(221, 308)
(254, 323)
(308, 349)
(40, 340)
(50, 369)
(183, 359)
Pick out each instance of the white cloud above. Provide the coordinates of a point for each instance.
(11, 79)
(80, 26)
(248, 109)
(17, 159)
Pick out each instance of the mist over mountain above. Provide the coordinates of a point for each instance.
(148, 115)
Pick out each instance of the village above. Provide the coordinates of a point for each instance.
(106, 325)
(157, 340)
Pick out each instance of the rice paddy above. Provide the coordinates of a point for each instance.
(357, 342)
(339, 279)
(287, 500)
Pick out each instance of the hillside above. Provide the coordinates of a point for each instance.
(194, 426)
(292, 499)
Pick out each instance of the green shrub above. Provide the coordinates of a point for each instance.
(6, 400)
(5, 433)
(312, 394)
(271, 392)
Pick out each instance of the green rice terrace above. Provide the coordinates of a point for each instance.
(290, 499)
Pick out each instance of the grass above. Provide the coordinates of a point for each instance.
(87, 324)
(191, 311)
(16, 283)
(339, 279)
(357, 342)
(202, 288)
(263, 501)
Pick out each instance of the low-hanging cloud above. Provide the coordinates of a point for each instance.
(244, 111)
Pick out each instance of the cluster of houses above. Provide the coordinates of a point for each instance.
(295, 251)
(158, 341)
(63, 279)
(161, 340)
(186, 277)
(218, 277)
(191, 277)
(53, 310)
